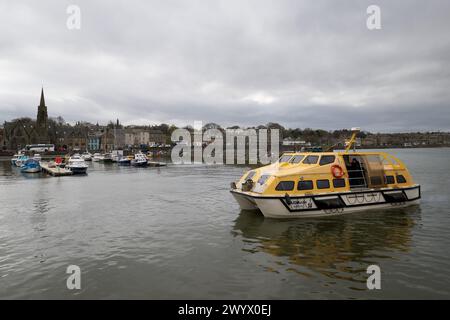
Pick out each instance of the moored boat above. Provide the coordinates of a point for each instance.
(140, 160)
(77, 165)
(86, 156)
(125, 161)
(20, 160)
(37, 157)
(14, 158)
(107, 158)
(97, 157)
(313, 184)
(116, 155)
(30, 166)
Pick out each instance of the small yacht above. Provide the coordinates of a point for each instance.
(86, 156)
(116, 155)
(20, 160)
(107, 158)
(97, 157)
(314, 184)
(30, 166)
(125, 161)
(140, 160)
(15, 157)
(77, 165)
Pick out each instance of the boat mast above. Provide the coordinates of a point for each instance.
(352, 140)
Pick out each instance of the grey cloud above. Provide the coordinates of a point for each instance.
(300, 63)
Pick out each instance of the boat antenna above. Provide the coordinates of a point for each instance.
(352, 140)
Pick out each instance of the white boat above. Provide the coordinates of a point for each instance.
(21, 160)
(125, 161)
(140, 160)
(37, 157)
(86, 156)
(15, 158)
(116, 155)
(77, 165)
(97, 157)
(107, 158)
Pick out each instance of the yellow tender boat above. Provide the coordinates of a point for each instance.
(313, 184)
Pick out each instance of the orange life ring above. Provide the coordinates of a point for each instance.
(337, 171)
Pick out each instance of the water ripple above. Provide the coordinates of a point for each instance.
(176, 232)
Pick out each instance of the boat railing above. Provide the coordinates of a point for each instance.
(361, 177)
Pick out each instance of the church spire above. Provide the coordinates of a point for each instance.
(42, 120)
(42, 98)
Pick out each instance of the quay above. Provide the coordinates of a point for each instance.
(56, 171)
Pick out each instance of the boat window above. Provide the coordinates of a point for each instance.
(285, 158)
(326, 160)
(305, 185)
(297, 159)
(339, 183)
(390, 180)
(311, 160)
(285, 186)
(263, 179)
(250, 175)
(401, 179)
(323, 184)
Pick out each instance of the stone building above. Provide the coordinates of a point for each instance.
(135, 137)
(158, 137)
(119, 138)
(107, 140)
(94, 141)
(19, 133)
(23, 131)
(76, 138)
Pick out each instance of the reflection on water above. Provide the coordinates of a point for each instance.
(328, 245)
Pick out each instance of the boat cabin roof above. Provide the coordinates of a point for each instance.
(304, 162)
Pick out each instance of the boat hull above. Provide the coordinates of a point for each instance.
(124, 162)
(31, 170)
(330, 204)
(139, 164)
(78, 170)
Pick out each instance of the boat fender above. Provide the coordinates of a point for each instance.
(288, 199)
(337, 171)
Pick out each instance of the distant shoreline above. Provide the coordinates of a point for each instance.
(399, 147)
(6, 155)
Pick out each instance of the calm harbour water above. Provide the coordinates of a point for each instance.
(177, 233)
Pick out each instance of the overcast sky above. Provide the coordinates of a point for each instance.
(246, 62)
